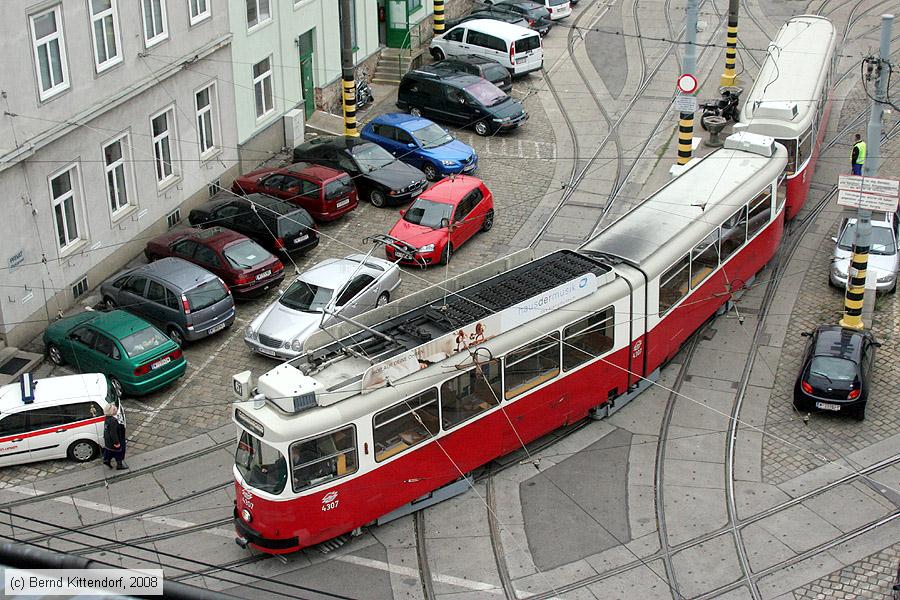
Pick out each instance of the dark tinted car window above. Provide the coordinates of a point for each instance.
(156, 293)
(84, 335)
(184, 247)
(13, 424)
(106, 346)
(294, 223)
(206, 294)
(454, 35)
(136, 285)
(52, 416)
(338, 187)
(358, 284)
(246, 254)
(207, 256)
(530, 43)
(495, 72)
(833, 368)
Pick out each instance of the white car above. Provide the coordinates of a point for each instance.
(348, 286)
(883, 257)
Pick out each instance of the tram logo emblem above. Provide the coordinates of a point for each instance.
(330, 497)
(638, 347)
(247, 495)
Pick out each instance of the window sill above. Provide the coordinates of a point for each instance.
(201, 19)
(101, 69)
(120, 214)
(211, 154)
(72, 248)
(266, 116)
(163, 187)
(155, 41)
(298, 4)
(53, 93)
(259, 26)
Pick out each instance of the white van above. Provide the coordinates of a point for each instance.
(53, 417)
(559, 9)
(519, 49)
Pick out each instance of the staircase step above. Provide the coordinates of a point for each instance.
(387, 79)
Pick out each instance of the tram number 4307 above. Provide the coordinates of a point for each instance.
(330, 501)
(330, 506)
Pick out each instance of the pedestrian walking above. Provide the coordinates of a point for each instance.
(113, 438)
(858, 156)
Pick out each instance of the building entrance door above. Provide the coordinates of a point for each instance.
(307, 82)
(397, 24)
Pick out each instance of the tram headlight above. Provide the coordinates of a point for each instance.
(245, 515)
(296, 345)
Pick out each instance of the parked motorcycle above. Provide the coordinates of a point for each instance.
(364, 95)
(726, 106)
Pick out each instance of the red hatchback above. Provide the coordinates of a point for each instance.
(441, 220)
(325, 193)
(247, 268)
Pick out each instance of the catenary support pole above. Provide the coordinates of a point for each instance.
(856, 274)
(438, 17)
(689, 62)
(348, 89)
(729, 77)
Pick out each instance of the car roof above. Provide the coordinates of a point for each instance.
(408, 122)
(176, 271)
(453, 78)
(312, 171)
(834, 340)
(118, 323)
(472, 59)
(451, 190)
(52, 391)
(333, 273)
(214, 236)
(334, 141)
(499, 28)
(280, 207)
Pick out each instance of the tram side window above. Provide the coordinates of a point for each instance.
(531, 365)
(673, 285)
(760, 212)
(406, 424)
(734, 233)
(588, 338)
(471, 393)
(805, 148)
(317, 460)
(704, 258)
(791, 146)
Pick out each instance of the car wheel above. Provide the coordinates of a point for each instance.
(377, 198)
(437, 54)
(109, 303)
(83, 451)
(431, 172)
(860, 414)
(447, 254)
(416, 112)
(481, 128)
(55, 355)
(175, 335)
(383, 299)
(116, 386)
(488, 221)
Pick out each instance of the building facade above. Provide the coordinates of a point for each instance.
(118, 117)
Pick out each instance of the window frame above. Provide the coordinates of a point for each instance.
(100, 19)
(682, 264)
(201, 15)
(163, 33)
(754, 203)
(290, 460)
(169, 135)
(74, 193)
(261, 81)
(534, 348)
(741, 214)
(394, 449)
(124, 161)
(700, 250)
(259, 22)
(607, 322)
(412, 6)
(208, 113)
(60, 38)
(498, 395)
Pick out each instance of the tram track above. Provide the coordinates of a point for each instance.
(425, 578)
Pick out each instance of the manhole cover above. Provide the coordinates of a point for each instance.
(13, 365)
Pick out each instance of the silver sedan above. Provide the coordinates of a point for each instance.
(883, 258)
(348, 286)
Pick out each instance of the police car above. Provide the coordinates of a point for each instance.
(54, 417)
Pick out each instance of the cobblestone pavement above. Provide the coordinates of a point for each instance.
(870, 579)
(517, 167)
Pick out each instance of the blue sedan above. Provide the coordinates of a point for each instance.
(421, 143)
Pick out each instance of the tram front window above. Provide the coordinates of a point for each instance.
(791, 146)
(261, 465)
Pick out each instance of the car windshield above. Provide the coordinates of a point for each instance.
(882, 240)
(528, 43)
(143, 341)
(338, 188)
(557, 2)
(261, 465)
(246, 254)
(206, 294)
(306, 297)
(372, 157)
(495, 72)
(294, 224)
(486, 93)
(432, 136)
(833, 368)
(428, 213)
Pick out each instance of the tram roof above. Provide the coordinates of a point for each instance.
(653, 233)
(795, 69)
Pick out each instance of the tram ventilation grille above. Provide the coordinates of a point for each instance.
(333, 544)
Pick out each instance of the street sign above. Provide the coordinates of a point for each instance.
(687, 84)
(685, 104)
(874, 202)
(869, 185)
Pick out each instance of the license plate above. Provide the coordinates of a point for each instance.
(828, 406)
(266, 351)
(215, 328)
(297, 240)
(343, 203)
(160, 363)
(264, 274)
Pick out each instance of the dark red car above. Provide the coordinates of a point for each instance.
(441, 220)
(325, 193)
(247, 268)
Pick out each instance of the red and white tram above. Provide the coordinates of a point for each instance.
(791, 99)
(411, 402)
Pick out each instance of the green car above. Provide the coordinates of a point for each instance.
(135, 356)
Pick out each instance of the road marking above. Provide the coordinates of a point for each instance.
(478, 586)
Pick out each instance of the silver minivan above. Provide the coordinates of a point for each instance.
(186, 301)
(519, 49)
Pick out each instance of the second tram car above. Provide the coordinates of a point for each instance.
(791, 99)
(358, 427)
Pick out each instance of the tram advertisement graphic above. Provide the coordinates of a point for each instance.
(476, 333)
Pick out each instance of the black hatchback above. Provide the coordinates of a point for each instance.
(378, 175)
(474, 65)
(274, 224)
(836, 371)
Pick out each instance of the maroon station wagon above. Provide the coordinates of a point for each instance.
(247, 268)
(325, 193)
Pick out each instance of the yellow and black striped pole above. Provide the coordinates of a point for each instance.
(856, 289)
(348, 84)
(438, 17)
(685, 137)
(729, 77)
